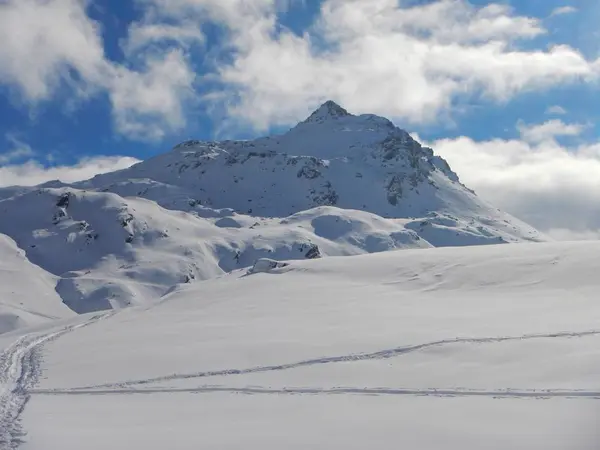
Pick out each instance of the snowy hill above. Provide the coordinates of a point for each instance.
(111, 252)
(448, 348)
(334, 185)
(27, 295)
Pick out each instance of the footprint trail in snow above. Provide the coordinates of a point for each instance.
(19, 372)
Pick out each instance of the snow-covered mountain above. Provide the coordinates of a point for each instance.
(334, 185)
(358, 349)
(331, 159)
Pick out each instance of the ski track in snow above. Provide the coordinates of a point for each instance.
(19, 372)
(455, 392)
(127, 386)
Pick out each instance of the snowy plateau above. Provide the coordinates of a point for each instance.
(335, 286)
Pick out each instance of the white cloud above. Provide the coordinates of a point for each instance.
(556, 109)
(14, 154)
(32, 173)
(548, 131)
(561, 10)
(376, 56)
(18, 150)
(231, 13)
(553, 187)
(149, 104)
(407, 62)
(47, 44)
(42, 40)
(143, 34)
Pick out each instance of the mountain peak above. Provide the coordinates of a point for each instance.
(328, 110)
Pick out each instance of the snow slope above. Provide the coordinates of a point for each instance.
(435, 348)
(27, 296)
(111, 252)
(108, 251)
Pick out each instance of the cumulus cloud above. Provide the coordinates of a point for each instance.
(42, 40)
(553, 187)
(32, 173)
(382, 56)
(146, 105)
(47, 44)
(548, 131)
(410, 63)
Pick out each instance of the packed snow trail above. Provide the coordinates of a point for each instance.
(382, 354)
(19, 372)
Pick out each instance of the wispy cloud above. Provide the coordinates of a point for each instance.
(32, 172)
(548, 131)
(561, 10)
(556, 109)
(17, 150)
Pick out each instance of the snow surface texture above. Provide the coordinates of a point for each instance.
(19, 372)
(451, 348)
(27, 295)
(334, 185)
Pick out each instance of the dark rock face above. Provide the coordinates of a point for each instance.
(125, 219)
(58, 216)
(309, 172)
(63, 200)
(394, 189)
(313, 252)
(327, 196)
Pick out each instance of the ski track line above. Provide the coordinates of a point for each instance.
(19, 372)
(383, 354)
(431, 392)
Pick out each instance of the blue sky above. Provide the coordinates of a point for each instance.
(84, 85)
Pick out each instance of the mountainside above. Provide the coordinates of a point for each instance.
(110, 252)
(334, 185)
(331, 159)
